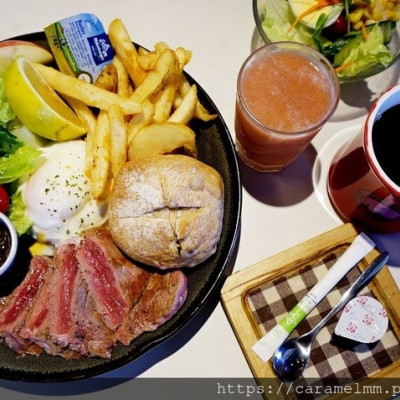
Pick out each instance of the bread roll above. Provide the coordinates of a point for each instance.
(166, 211)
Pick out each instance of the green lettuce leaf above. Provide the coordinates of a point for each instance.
(9, 143)
(277, 19)
(362, 54)
(22, 162)
(17, 213)
(6, 113)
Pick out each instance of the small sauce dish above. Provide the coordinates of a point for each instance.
(8, 243)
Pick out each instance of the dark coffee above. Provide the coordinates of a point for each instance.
(386, 142)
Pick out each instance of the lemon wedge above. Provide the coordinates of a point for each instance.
(37, 105)
(299, 7)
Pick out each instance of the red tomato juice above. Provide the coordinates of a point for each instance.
(284, 98)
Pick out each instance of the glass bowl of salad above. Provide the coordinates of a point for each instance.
(360, 37)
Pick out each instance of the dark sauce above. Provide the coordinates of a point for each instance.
(386, 142)
(5, 243)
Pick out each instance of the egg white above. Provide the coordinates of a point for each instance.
(57, 196)
(310, 20)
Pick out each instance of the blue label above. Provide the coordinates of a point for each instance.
(101, 48)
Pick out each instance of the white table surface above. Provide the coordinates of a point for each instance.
(279, 210)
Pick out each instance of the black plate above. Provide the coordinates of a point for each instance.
(216, 148)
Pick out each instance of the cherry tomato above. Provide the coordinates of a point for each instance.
(4, 201)
(337, 29)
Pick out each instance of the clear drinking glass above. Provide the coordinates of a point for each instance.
(286, 92)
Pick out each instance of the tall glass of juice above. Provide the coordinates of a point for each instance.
(286, 92)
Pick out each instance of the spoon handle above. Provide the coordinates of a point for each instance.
(365, 277)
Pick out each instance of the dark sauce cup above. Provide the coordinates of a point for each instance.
(8, 243)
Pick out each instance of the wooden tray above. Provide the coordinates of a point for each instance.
(241, 285)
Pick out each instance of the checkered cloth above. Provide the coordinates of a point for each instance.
(333, 359)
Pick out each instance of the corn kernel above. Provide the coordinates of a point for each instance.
(357, 26)
(392, 15)
(367, 14)
(356, 15)
(377, 15)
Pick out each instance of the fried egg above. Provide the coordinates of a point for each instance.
(57, 195)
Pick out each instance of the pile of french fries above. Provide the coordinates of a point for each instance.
(140, 105)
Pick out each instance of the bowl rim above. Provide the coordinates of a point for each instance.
(377, 68)
(14, 243)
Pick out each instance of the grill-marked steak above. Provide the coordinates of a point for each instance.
(114, 283)
(65, 282)
(15, 307)
(86, 299)
(93, 337)
(163, 297)
(37, 323)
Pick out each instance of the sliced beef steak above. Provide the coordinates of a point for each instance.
(163, 297)
(114, 283)
(37, 323)
(65, 282)
(93, 338)
(16, 306)
(85, 299)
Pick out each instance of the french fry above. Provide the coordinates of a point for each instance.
(124, 86)
(184, 113)
(138, 121)
(148, 60)
(162, 139)
(118, 140)
(100, 156)
(84, 113)
(163, 103)
(108, 78)
(89, 154)
(165, 71)
(142, 51)
(200, 112)
(86, 92)
(184, 57)
(126, 50)
(160, 47)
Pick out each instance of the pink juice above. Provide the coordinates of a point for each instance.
(286, 92)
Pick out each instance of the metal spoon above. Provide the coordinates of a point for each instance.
(292, 357)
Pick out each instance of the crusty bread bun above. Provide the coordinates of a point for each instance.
(166, 211)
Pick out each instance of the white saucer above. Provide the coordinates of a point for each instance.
(389, 242)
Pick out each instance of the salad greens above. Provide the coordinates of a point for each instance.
(17, 213)
(351, 53)
(361, 54)
(276, 21)
(21, 162)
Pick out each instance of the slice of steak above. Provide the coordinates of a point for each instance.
(17, 304)
(92, 337)
(65, 282)
(37, 323)
(161, 300)
(114, 283)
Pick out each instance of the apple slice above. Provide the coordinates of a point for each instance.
(11, 49)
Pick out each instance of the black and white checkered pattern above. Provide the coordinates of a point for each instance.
(333, 359)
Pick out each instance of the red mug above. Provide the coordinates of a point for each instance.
(363, 180)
